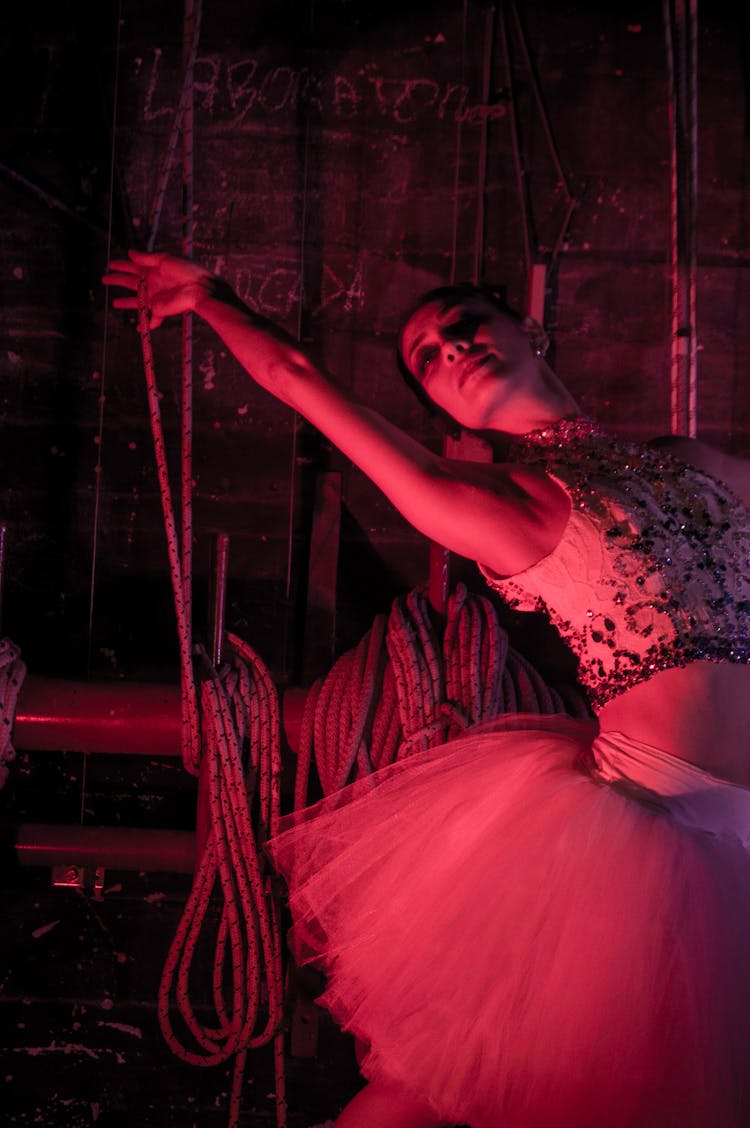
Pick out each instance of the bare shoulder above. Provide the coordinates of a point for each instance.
(729, 468)
(521, 511)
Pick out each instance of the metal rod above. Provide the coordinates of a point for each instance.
(125, 848)
(135, 718)
(218, 597)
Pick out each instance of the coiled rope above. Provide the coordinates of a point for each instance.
(406, 688)
(239, 712)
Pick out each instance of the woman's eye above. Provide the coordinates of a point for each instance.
(426, 359)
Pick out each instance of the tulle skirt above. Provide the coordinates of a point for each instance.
(524, 945)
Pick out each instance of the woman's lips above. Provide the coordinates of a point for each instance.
(471, 367)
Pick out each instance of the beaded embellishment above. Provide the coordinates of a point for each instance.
(653, 569)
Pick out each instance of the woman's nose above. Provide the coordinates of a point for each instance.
(452, 348)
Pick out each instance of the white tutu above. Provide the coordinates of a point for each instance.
(524, 946)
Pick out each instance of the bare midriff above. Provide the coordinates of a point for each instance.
(699, 713)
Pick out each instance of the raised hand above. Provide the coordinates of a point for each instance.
(173, 285)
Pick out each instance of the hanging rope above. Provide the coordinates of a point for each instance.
(240, 721)
(239, 710)
(681, 34)
(12, 673)
(190, 723)
(406, 688)
(236, 751)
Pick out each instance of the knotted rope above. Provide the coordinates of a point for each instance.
(406, 688)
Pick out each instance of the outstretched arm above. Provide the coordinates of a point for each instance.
(508, 518)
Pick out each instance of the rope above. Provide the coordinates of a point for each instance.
(239, 710)
(681, 36)
(407, 687)
(190, 720)
(240, 721)
(12, 673)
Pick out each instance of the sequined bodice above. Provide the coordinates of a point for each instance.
(653, 569)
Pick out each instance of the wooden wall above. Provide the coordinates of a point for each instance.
(338, 173)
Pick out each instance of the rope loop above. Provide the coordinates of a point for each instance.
(241, 736)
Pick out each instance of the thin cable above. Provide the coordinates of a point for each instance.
(300, 330)
(517, 161)
(459, 143)
(174, 136)
(479, 229)
(104, 362)
(541, 107)
(571, 200)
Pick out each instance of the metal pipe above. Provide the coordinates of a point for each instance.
(138, 718)
(124, 848)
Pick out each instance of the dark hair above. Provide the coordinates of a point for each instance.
(449, 295)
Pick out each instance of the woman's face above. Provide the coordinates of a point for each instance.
(470, 358)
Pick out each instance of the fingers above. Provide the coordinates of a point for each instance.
(145, 258)
(124, 266)
(129, 281)
(126, 272)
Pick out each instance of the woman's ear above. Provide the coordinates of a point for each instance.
(536, 335)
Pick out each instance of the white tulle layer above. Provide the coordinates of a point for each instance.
(525, 946)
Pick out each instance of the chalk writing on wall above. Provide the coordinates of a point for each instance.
(278, 291)
(232, 93)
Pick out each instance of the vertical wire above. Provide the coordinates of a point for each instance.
(459, 139)
(541, 108)
(692, 233)
(439, 556)
(165, 170)
(517, 162)
(571, 201)
(104, 355)
(300, 326)
(674, 363)
(479, 237)
(192, 19)
(102, 398)
(681, 49)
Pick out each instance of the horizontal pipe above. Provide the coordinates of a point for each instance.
(137, 718)
(124, 848)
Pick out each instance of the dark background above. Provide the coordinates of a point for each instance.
(348, 156)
